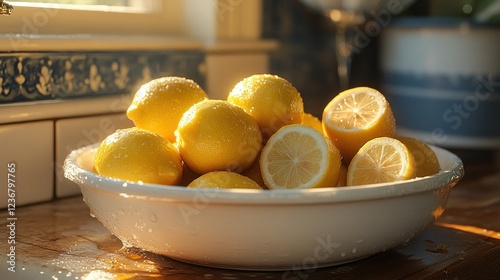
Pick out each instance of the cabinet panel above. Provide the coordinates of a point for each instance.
(28, 148)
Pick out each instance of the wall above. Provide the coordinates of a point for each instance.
(306, 54)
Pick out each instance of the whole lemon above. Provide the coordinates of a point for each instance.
(217, 135)
(254, 173)
(271, 100)
(135, 154)
(159, 104)
(224, 180)
(312, 121)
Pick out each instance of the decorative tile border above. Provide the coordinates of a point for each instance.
(45, 76)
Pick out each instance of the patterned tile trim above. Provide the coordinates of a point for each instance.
(44, 76)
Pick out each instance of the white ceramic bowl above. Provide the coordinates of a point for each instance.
(264, 230)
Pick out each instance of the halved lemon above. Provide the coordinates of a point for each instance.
(381, 160)
(425, 158)
(298, 156)
(356, 116)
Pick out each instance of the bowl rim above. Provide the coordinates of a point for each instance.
(86, 180)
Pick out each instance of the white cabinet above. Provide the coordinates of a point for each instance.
(29, 148)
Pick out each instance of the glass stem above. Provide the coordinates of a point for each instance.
(343, 46)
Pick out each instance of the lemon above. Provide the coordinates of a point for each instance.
(254, 173)
(342, 182)
(381, 160)
(188, 175)
(425, 158)
(299, 157)
(159, 104)
(354, 117)
(217, 135)
(224, 180)
(312, 121)
(135, 154)
(271, 100)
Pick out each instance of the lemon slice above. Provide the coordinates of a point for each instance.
(356, 116)
(381, 160)
(299, 157)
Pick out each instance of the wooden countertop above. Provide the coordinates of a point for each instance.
(60, 240)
